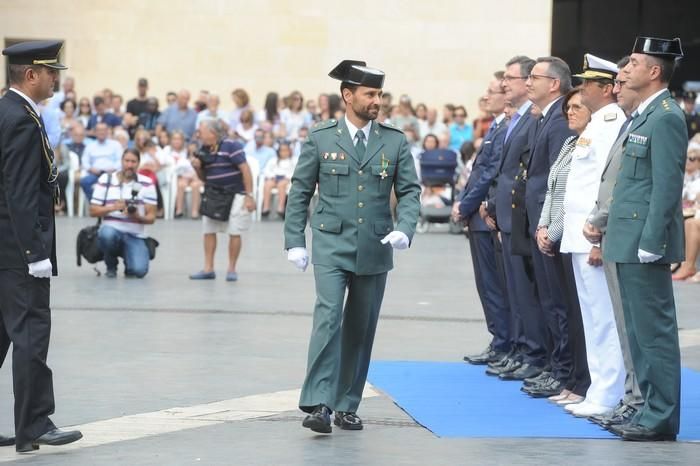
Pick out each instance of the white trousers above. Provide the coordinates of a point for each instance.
(603, 353)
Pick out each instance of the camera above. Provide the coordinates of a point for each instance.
(132, 204)
(204, 155)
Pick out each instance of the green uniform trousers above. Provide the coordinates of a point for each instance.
(342, 337)
(650, 318)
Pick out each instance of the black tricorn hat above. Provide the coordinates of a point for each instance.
(358, 73)
(669, 48)
(36, 52)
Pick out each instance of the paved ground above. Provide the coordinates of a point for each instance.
(122, 347)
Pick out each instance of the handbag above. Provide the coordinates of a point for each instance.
(86, 243)
(216, 202)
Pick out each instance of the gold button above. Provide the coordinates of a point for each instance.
(360, 220)
(321, 226)
(360, 204)
(513, 206)
(360, 188)
(360, 172)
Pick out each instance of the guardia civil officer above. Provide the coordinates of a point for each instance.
(27, 250)
(357, 163)
(645, 235)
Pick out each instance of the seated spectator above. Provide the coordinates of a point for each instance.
(163, 140)
(212, 112)
(186, 176)
(278, 174)
(312, 109)
(246, 127)
(483, 120)
(84, 111)
(294, 117)
(241, 102)
(691, 214)
(148, 119)
(126, 201)
(179, 117)
(431, 125)
(460, 130)
(299, 143)
(101, 116)
(77, 139)
(465, 163)
(67, 117)
(270, 112)
(404, 115)
(257, 149)
(100, 156)
(448, 111)
(122, 137)
(170, 99)
(116, 108)
(421, 112)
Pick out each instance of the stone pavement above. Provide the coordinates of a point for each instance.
(167, 371)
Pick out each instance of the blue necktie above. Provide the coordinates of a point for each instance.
(627, 123)
(511, 126)
(360, 147)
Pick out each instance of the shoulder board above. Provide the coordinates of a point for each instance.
(610, 116)
(389, 126)
(324, 124)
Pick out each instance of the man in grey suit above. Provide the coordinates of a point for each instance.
(594, 231)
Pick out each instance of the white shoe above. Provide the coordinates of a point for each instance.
(587, 409)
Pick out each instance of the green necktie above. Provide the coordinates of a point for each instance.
(360, 147)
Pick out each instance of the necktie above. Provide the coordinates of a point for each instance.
(627, 123)
(492, 128)
(511, 126)
(360, 147)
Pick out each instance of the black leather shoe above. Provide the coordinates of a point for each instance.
(639, 433)
(622, 414)
(319, 420)
(484, 358)
(548, 388)
(6, 441)
(521, 373)
(347, 421)
(539, 379)
(468, 358)
(509, 366)
(58, 437)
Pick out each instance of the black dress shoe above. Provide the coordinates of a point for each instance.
(509, 366)
(550, 388)
(319, 420)
(6, 441)
(523, 372)
(57, 436)
(348, 421)
(622, 414)
(539, 379)
(639, 433)
(484, 358)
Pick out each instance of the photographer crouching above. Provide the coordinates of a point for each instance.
(126, 201)
(227, 202)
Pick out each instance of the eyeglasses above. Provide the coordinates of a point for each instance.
(532, 77)
(507, 78)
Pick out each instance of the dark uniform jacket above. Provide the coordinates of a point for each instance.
(27, 231)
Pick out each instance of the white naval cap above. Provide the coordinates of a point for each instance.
(597, 68)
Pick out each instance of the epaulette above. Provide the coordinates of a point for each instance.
(324, 124)
(665, 104)
(389, 126)
(612, 116)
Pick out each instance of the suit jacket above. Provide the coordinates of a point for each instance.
(546, 144)
(353, 213)
(483, 173)
(27, 229)
(646, 211)
(514, 148)
(599, 215)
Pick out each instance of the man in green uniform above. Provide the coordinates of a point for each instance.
(356, 162)
(645, 235)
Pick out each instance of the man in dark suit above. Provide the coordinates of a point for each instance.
(645, 235)
(526, 330)
(549, 80)
(28, 176)
(483, 242)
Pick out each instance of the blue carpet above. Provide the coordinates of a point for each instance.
(459, 400)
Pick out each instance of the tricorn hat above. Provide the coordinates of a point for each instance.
(36, 52)
(669, 48)
(358, 73)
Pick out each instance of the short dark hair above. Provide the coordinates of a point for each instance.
(526, 64)
(622, 62)
(62, 105)
(499, 75)
(667, 65)
(560, 70)
(347, 85)
(567, 98)
(132, 152)
(461, 107)
(16, 73)
(97, 100)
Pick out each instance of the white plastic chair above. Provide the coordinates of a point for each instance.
(168, 189)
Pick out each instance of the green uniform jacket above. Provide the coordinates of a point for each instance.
(353, 213)
(646, 211)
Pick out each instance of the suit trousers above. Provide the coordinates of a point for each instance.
(632, 397)
(549, 275)
(580, 378)
(491, 289)
(527, 328)
(650, 318)
(25, 321)
(604, 356)
(342, 338)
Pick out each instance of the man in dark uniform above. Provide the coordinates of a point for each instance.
(645, 235)
(692, 117)
(357, 163)
(27, 251)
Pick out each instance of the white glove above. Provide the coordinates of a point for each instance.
(646, 257)
(41, 269)
(299, 257)
(397, 239)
